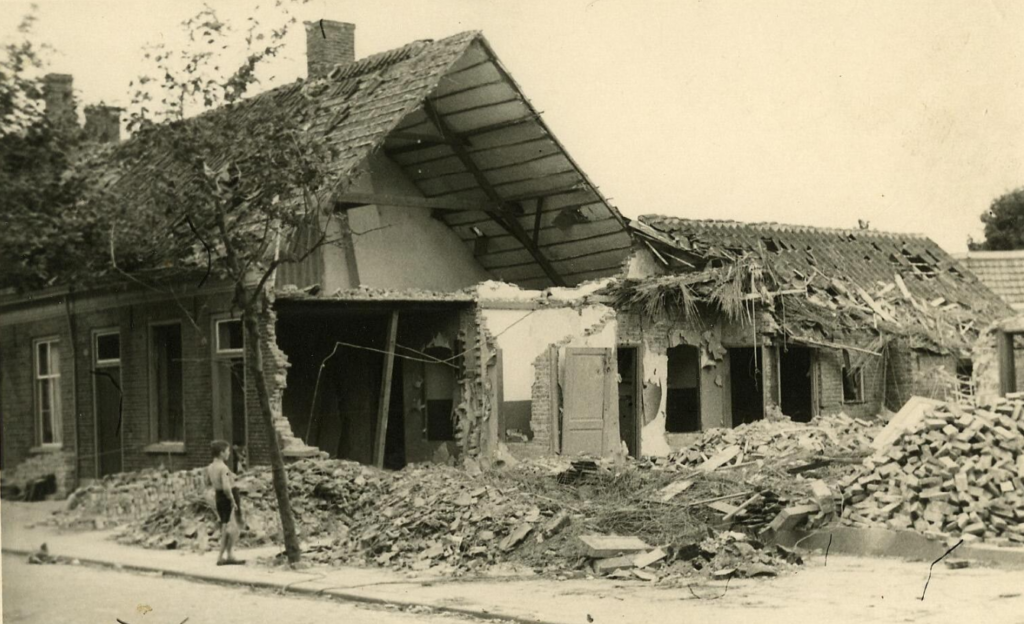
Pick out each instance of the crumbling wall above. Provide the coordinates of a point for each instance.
(711, 335)
(829, 370)
(275, 374)
(533, 331)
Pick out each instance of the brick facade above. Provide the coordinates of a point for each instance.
(133, 315)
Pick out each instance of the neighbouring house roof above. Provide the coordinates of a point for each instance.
(831, 286)
(452, 117)
(1001, 271)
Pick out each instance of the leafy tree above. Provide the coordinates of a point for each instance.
(1004, 223)
(48, 233)
(225, 191)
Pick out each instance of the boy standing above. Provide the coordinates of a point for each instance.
(221, 478)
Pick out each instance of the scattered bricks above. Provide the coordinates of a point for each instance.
(934, 494)
(1006, 487)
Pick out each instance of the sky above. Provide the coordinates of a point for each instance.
(908, 114)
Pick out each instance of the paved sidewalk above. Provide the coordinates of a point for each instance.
(848, 589)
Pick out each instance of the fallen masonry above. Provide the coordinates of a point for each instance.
(685, 514)
(951, 470)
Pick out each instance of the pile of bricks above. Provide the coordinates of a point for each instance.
(956, 471)
(131, 495)
(831, 435)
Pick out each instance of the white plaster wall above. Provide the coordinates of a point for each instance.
(523, 335)
(652, 435)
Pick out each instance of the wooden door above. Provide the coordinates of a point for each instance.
(586, 413)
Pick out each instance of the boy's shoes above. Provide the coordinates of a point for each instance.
(221, 562)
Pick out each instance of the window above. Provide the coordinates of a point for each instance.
(47, 382)
(853, 385)
(229, 421)
(166, 383)
(108, 349)
(229, 336)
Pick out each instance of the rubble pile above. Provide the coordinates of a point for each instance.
(835, 435)
(954, 470)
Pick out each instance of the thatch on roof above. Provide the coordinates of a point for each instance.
(838, 288)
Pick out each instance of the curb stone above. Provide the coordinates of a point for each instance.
(294, 587)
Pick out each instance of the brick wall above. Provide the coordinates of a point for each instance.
(134, 320)
(910, 373)
(18, 402)
(830, 385)
(541, 416)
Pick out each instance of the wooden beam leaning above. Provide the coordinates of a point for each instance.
(384, 404)
(354, 200)
(505, 217)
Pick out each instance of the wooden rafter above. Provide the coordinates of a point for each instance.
(504, 217)
(353, 200)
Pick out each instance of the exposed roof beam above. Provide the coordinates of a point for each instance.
(505, 217)
(354, 200)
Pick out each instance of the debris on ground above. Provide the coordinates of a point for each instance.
(948, 469)
(707, 509)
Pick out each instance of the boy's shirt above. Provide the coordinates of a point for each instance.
(216, 472)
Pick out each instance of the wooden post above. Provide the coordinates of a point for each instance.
(385, 390)
(1007, 365)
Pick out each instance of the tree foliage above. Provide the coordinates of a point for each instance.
(1004, 223)
(49, 232)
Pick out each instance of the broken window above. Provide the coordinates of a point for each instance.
(166, 383)
(47, 390)
(682, 407)
(965, 376)
(853, 385)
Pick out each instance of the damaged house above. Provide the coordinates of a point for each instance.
(381, 349)
(732, 322)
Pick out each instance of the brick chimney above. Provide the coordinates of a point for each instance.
(59, 99)
(103, 123)
(328, 43)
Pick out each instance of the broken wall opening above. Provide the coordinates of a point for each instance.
(682, 403)
(629, 397)
(747, 385)
(334, 393)
(796, 389)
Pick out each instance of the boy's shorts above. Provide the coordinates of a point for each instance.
(224, 505)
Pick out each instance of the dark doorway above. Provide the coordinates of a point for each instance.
(394, 439)
(629, 399)
(796, 393)
(108, 418)
(747, 389)
(682, 404)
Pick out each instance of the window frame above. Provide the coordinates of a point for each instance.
(859, 386)
(96, 335)
(219, 355)
(56, 405)
(229, 352)
(154, 407)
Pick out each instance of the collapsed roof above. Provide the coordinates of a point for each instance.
(850, 289)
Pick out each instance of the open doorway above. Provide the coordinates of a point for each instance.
(629, 398)
(747, 387)
(682, 403)
(795, 381)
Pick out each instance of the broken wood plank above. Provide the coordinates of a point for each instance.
(601, 546)
(723, 507)
(673, 489)
(720, 459)
(604, 566)
(747, 503)
(385, 390)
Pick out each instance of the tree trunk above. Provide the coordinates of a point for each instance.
(254, 337)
